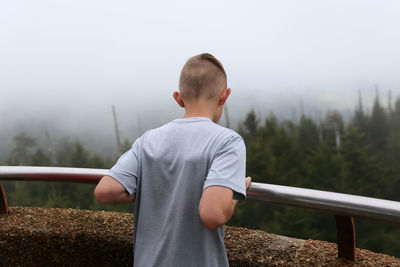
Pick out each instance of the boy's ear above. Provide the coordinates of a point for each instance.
(224, 96)
(178, 98)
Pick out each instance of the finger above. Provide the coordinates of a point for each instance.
(248, 182)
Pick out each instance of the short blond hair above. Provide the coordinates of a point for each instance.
(202, 76)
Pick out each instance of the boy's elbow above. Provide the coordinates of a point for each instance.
(212, 219)
(101, 194)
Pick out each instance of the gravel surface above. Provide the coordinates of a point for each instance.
(68, 237)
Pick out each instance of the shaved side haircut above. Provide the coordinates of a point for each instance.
(203, 76)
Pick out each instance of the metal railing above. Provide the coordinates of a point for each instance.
(335, 203)
(343, 206)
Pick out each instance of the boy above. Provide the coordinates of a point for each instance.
(185, 177)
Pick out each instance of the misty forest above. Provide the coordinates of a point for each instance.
(358, 156)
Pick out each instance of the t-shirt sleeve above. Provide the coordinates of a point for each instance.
(228, 168)
(126, 170)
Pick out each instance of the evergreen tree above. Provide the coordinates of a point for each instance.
(64, 150)
(360, 120)
(363, 170)
(378, 127)
(20, 155)
(307, 139)
(79, 155)
(249, 127)
(40, 158)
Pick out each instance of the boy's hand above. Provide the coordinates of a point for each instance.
(248, 182)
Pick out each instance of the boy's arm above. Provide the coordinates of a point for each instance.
(109, 190)
(217, 205)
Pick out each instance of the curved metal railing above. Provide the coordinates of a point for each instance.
(51, 174)
(329, 202)
(343, 206)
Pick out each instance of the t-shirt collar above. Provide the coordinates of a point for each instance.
(192, 119)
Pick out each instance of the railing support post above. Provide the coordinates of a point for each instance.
(3, 201)
(346, 237)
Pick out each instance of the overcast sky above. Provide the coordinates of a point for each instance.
(69, 61)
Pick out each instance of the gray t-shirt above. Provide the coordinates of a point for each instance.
(168, 168)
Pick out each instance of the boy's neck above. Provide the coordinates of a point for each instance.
(198, 114)
(208, 110)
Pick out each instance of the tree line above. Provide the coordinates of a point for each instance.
(359, 156)
(65, 153)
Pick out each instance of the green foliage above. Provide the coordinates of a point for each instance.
(378, 126)
(40, 158)
(20, 155)
(249, 127)
(359, 158)
(307, 135)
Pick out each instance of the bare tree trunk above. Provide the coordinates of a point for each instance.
(116, 130)
(49, 145)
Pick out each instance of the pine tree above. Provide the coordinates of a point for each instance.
(20, 155)
(40, 158)
(378, 126)
(249, 127)
(307, 138)
(363, 170)
(360, 120)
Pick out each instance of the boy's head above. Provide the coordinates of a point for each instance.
(203, 76)
(203, 80)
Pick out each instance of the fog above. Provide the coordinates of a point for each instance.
(64, 63)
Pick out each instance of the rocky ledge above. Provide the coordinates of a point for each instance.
(68, 237)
